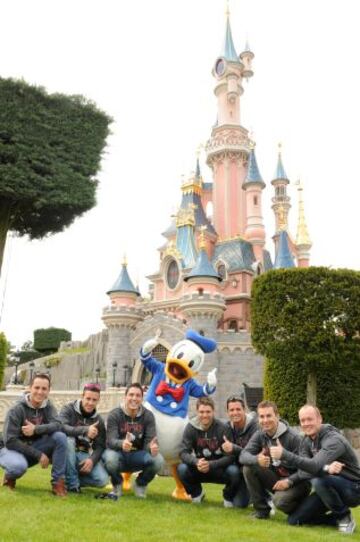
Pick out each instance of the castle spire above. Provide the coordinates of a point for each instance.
(303, 242)
(281, 201)
(253, 186)
(123, 284)
(284, 258)
(228, 49)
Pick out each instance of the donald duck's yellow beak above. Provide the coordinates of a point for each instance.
(178, 370)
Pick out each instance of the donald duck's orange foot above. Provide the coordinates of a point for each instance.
(126, 481)
(180, 494)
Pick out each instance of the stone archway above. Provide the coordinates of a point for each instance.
(142, 375)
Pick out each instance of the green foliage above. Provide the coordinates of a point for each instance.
(50, 152)
(85, 519)
(4, 345)
(28, 355)
(49, 339)
(308, 320)
(52, 361)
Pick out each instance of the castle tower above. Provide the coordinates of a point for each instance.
(228, 148)
(303, 242)
(121, 317)
(253, 186)
(281, 201)
(284, 258)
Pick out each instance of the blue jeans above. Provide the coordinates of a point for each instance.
(337, 493)
(117, 462)
(192, 479)
(16, 464)
(98, 477)
(242, 497)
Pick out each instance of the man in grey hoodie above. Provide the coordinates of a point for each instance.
(132, 443)
(239, 429)
(203, 459)
(327, 458)
(32, 434)
(264, 475)
(86, 441)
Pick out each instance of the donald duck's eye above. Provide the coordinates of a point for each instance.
(191, 363)
(180, 355)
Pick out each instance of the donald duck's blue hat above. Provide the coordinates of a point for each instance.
(207, 345)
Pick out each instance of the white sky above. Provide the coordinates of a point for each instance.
(148, 64)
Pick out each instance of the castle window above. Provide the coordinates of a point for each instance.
(255, 200)
(172, 274)
(233, 325)
(221, 269)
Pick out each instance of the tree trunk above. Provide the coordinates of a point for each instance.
(311, 388)
(5, 211)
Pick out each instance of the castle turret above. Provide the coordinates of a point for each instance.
(303, 242)
(227, 150)
(203, 276)
(120, 318)
(281, 201)
(284, 259)
(253, 186)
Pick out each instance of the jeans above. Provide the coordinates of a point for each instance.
(192, 479)
(117, 462)
(337, 493)
(242, 497)
(311, 511)
(260, 481)
(16, 464)
(97, 477)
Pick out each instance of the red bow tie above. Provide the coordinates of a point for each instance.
(164, 388)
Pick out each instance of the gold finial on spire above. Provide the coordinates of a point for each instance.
(227, 9)
(302, 235)
(124, 261)
(202, 242)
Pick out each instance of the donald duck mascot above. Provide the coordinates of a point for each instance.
(171, 387)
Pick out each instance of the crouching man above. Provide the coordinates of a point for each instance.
(86, 441)
(132, 443)
(202, 456)
(265, 476)
(32, 434)
(327, 458)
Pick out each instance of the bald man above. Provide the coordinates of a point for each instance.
(329, 461)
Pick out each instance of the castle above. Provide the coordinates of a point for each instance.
(214, 247)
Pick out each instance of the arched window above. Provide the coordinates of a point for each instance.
(233, 324)
(221, 269)
(172, 274)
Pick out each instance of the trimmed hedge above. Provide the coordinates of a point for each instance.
(4, 346)
(49, 339)
(308, 321)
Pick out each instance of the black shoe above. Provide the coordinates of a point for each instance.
(110, 496)
(261, 514)
(74, 490)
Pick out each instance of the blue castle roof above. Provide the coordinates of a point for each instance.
(238, 254)
(185, 244)
(253, 174)
(124, 283)
(228, 49)
(203, 267)
(284, 258)
(280, 171)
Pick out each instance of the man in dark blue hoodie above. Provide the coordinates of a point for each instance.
(328, 460)
(32, 434)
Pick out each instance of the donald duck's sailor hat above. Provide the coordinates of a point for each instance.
(206, 344)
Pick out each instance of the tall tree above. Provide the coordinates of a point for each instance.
(50, 151)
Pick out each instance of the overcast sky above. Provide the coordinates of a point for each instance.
(148, 64)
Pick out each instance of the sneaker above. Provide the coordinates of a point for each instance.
(111, 496)
(199, 498)
(228, 504)
(140, 491)
(346, 524)
(272, 507)
(260, 514)
(59, 489)
(74, 490)
(9, 482)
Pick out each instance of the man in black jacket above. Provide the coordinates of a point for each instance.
(32, 434)
(264, 475)
(86, 441)
(203, 459)
(132, 443)
(240, 428)
(327, 458)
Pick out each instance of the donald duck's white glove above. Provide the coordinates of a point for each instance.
(149, 346)
(211, 378)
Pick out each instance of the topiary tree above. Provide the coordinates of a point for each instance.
(50, 152)
(306, 322)
(48, 340)
(3, 356)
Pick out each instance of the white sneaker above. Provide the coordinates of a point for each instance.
(346, 524)
(140, 491)
(272, 507)
(228, 504)
(199, 499)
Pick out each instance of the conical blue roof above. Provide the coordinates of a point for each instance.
(228, 50)
(253, 174)
(185, 244)
(280, 171)
(284, 258)
(203, 267)
(123, 283)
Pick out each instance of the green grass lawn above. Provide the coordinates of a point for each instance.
(32, 514)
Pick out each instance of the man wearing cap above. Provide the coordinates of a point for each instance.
(32, 435)
(240, 428)
(86, 441)
(202, 456)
